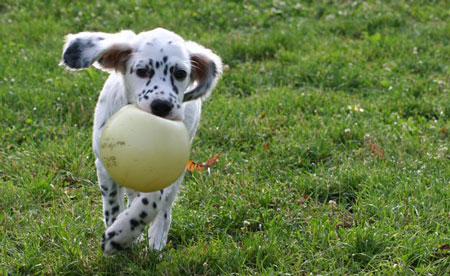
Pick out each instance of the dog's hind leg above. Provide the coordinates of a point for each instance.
(112, 194)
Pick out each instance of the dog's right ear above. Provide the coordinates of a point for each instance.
(110, 51)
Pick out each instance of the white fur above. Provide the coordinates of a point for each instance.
(124, 86)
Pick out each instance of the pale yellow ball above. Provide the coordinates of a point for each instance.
(144, 152)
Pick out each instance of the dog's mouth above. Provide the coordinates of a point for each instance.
(172, 118)
(163, 111)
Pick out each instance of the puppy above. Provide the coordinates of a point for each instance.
(162, 74)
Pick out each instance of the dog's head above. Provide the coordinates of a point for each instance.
(160, 70)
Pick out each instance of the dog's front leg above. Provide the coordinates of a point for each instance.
(159, 229)
(131, 222)
(145, 208)
(112, 194)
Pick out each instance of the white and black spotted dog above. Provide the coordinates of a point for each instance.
(162, 74)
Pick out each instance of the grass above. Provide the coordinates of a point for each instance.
(332, 120)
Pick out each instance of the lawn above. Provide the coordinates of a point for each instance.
(332, 120)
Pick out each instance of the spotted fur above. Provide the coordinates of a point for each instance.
(143, 71)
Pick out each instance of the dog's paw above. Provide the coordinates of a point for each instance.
(157, 236)
(157, 243)
(121, 235)
(110, 245)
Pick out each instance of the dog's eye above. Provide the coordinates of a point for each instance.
(145, 73)
(180, 74)
(142, 73)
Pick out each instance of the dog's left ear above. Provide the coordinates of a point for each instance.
(206, 69)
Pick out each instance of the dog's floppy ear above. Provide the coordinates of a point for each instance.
(110, 51)
(206, 71)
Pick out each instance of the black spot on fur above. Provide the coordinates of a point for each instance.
(113, 220)
(106, 213)
(145, 201)
(101, 126)
(111, 201)
(165, 215)
(104, 188)
(113, 193)
(151, 73)
(154, 205)
(157, 64)
(148, 82)
(165, 59)
(213, 69)
(165, 70)
(103, 193)
(72, 55)
(131, 70)
(143, 214)
(150, 62)
(115, 209)
(133, 223)
(111, 234)
(155, 87)
(116, 245)
(175, 89)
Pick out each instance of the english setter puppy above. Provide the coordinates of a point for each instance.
(162, 74)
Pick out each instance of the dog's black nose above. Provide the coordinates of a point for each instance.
(161, 108)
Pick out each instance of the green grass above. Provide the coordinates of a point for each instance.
(332, 120)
